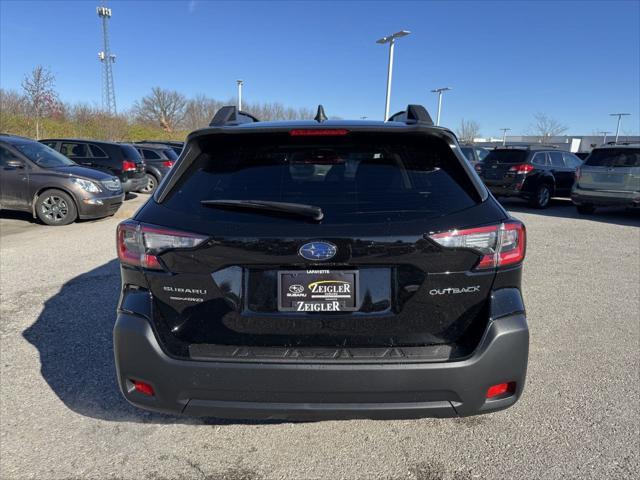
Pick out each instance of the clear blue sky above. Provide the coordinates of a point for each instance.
(576, 61)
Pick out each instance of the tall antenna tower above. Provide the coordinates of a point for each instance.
(107, 59)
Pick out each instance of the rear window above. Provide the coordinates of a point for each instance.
(468, 152)
(130, 153)
(170, 154)
(614, 157)
(354, 179)
(506, 156)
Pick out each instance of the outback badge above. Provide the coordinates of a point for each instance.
(317, 251)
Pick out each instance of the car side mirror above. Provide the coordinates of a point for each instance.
(12, 164)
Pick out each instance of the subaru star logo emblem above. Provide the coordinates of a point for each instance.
(317, 251)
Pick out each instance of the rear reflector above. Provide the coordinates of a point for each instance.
(501, 389)
(143, 388)
(499, 245)
(139, 244)
(523, 168)
(318, 132)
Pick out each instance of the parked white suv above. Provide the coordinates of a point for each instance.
(610, 176)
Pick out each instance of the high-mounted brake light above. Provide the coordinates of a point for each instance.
(140, 244)
(523, 168)
(128, 166)
(168, 163)
(318, 132)
(499, 245)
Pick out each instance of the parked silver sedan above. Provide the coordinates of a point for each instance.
(610, 176)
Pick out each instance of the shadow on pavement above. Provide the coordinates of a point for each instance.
(563, 208)
(16, 215)
(73, 335)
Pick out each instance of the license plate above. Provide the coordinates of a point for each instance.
(317, 290)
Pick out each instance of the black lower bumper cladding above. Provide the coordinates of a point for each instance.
(307, 390)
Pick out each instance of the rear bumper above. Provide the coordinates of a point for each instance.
(311, 391)
(604, 198)
(507, 188)
(134, 184)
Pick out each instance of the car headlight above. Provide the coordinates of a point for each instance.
(87, 185)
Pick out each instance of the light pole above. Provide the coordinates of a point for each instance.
(240, 83)
(604, 136)
(439, 92)
(619, 115)
(391, 40)
(504, 135)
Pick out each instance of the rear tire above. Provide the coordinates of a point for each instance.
(55, 207)
(542, 197)
(586, 209)
(152, 184)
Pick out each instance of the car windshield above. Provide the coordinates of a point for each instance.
(351, 180)
(506, 156)
(43, 156)
(614, 157)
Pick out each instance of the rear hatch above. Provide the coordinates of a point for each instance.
(351, 264)
(611, 170)
(496, 169)
(132, 156)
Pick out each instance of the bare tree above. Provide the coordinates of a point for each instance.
(166, 108)
(545, 127)
(468, 130)
(199, 112)
(11, 102)
(41, 97)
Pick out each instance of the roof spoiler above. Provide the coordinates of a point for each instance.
(230, 115)
(413, 114)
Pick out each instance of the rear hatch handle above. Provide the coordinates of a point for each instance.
(268, 207)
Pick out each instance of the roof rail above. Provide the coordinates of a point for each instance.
(413, 114)
(230, 115)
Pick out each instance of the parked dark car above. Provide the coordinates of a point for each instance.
(321, 269)
(119, 159)
(34, 178)
(609, 177)
(173, 144)
(474, 153)
(582, 155)
(535, 173)
(158, 160)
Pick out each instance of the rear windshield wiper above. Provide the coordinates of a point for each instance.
(267, 206)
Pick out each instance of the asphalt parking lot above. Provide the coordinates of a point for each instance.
(61, 415)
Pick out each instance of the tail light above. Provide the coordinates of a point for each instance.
(523, 168)
(478, 167)
(168, 163)
(128, 166)
(140, 244)
(499, 245)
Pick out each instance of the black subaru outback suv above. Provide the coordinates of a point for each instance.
(321, 269)
(535, 173)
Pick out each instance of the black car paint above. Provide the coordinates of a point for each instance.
(503, 182)
(156, 166)
(110, 163)
(420, 372)
(21, 186)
